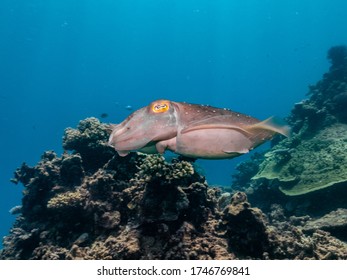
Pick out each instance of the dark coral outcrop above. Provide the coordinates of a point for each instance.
(89, 140)
(328, 98)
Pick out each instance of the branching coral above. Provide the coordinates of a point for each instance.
(66, 200)
(155, 166)
(89, 133)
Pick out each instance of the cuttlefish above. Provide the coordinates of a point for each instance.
(191, 130)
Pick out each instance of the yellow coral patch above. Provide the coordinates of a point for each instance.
(67, 199)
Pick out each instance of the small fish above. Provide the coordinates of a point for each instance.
(129, 107)
(191, 130)
(104, 115)
(16, 210)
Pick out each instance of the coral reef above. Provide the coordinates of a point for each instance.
(315, 157)
(327, 101)
(306, 173)
(143, 207)
(316, 163)
(288, 203)
(65, 200)
(89, 140)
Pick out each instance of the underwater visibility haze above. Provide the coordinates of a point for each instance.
(69, 69)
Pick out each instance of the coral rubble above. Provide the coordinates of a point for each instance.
(334, 222)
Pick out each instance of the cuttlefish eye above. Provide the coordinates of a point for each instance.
(160, 107)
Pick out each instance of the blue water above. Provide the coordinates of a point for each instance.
(63, 61)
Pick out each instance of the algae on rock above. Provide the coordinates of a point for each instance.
(315, 163)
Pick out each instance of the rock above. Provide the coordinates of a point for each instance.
(335, 222)
(245, 226)
(110, 220)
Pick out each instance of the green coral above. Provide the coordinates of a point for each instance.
(66, 200)
(315, 163)
(155, 166)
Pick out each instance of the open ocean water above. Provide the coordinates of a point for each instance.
(63, 61)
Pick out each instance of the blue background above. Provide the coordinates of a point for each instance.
(63, 61)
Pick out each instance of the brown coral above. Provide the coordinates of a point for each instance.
(90, 141)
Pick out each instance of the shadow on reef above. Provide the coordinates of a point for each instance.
(289, 203)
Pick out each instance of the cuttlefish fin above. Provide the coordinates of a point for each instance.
(214, 126)
(123, 153)
(239, 152)
(271, 124)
